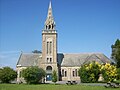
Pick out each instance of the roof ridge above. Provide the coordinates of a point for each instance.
(84, 53)
(31, 53)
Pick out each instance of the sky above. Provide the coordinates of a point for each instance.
(83, 26)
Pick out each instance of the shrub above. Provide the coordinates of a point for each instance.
(7, 74)
(54, 76)
(89, 72)
(109, 72)
(33, 75)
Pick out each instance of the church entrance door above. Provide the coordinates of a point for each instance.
(49, 73)
(48, 77)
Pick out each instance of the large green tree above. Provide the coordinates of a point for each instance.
(54, 76)
(7, 74)
(116, 52)
(118, 71)
(33, 75)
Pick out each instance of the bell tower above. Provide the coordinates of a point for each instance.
(49, 45)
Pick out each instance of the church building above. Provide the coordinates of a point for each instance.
(66, 65)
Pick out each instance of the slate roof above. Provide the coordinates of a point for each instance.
(29, 59)
(65, 60)
(79, 59)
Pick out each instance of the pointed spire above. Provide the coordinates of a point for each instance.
(50, 6)
(50, 10)
(50, 23)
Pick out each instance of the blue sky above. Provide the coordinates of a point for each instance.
(82, 26)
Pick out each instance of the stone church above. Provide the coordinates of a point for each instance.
(66, 65)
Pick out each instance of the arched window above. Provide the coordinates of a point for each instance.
(65, 73)
(49, 69)
(76, 72)
(62, 72)
(20, 74)
(49, 27)
(50, 59)
(50, 47)
(47, 60)
(73, 73)
(47, 47)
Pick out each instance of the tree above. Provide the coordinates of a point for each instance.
(89, 72)
(7, 74)
(36, 51)
(118, 71)
(33, 75)
(54, 76)
(0, 74)
(116, 52)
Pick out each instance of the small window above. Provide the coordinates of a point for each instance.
(47, 59)
(47, 47)
(65, 73)
(73, 73)
(50, 47)
(76, 72)
(50, 59)
(20, 74)
(62, 72)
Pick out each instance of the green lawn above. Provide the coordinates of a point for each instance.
(52, 87)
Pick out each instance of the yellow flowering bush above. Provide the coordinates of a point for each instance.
(90, 72)
(109, 72)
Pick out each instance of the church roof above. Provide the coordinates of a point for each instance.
(79, 59)
(65, 60)
(29, 59)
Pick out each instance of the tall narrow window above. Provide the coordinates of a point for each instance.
(20, 74)
(47, 59)
(47, 47)
(50, 59)
(65, 73)
(73, 73)
(76, 72)
(50, 47)
(62, 72)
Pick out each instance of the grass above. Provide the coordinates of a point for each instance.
(52, 87)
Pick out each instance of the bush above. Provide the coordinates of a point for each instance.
(33, 75)
(54, 76)
(109, 72)
(83, 73)
(7, 74)
(89, 72)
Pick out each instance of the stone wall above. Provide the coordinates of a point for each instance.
(71, 74)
